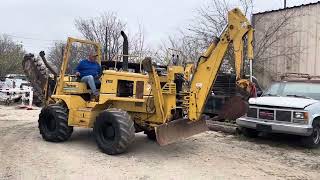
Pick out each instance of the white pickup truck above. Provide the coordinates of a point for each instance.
(9, 87)
(290, 106)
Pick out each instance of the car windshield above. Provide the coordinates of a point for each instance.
(294, 89)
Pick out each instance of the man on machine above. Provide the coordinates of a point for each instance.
(89, 70)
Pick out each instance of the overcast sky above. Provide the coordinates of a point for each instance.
(36, 23)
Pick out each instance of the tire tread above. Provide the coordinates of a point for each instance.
(63, 131)
(126, 131)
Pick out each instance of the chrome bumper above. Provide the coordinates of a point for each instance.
(286, 128)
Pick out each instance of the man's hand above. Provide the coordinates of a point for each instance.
(77, 74)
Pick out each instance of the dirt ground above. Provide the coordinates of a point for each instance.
(211, 155)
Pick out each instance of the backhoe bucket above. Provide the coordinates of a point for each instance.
(234, 108)
(179, 129)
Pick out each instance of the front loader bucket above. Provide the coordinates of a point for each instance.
(179, 129)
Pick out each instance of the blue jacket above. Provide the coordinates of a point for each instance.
(86, 68)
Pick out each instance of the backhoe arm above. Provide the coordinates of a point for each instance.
(195, 95)
(209, 64)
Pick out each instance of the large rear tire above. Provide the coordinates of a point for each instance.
(53, 123)
(114, 131)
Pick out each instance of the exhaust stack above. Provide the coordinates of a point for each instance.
(125, 51)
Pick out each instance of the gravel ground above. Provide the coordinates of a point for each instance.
(210, 155)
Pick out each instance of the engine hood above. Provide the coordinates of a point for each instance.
(282, 101)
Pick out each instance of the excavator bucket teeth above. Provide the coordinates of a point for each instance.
(234, 108)
(179, 129)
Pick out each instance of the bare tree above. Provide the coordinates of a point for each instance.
(209, 22)
(137, 45)
(55, 54)
(94, 29)
(211, 19)
(11, 55)
(188, 48)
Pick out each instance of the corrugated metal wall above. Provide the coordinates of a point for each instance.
(294, 47)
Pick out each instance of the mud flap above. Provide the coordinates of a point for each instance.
(179, 129)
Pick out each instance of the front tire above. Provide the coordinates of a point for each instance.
(53, 123)
(313, 140)
(250, 133)
(114, 131)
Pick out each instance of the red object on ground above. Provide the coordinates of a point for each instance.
(25, 107)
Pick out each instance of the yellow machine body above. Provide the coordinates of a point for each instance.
(139, 103)
(149, 98)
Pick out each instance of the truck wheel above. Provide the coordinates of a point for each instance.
(247, 132)
(151, 135)
(313, 140)
(114, 131)
(53, 123)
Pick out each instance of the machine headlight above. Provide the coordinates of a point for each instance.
(300, 117)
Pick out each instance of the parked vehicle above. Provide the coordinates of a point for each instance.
(15, 81)
(290, 106)
(12, 83)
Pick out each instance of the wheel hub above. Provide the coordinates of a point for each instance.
(50, 123)
(108, 132)
(316, 135)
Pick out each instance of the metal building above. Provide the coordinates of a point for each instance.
(287, 40)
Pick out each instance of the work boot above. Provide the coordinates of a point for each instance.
(95, 97)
